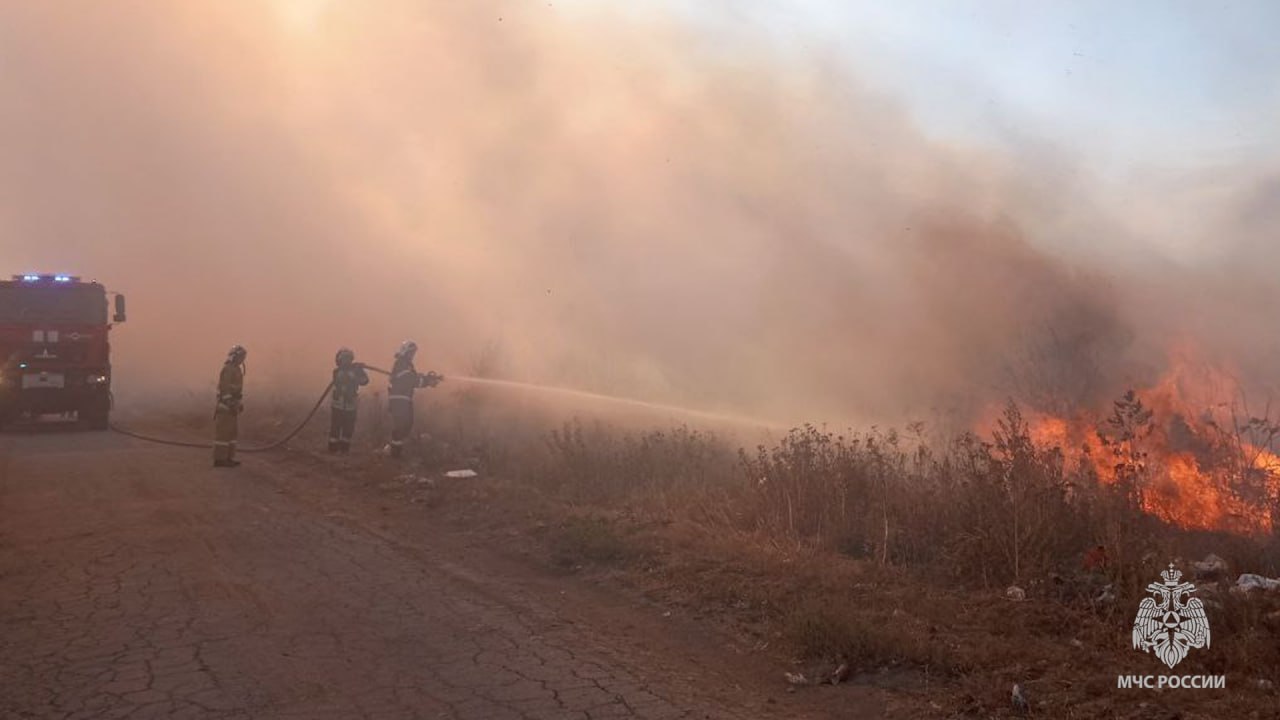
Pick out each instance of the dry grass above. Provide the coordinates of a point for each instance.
(594, 540)
(876, 548)
(893, 555)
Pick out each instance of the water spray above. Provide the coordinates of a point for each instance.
(612, 399)
(631, 402)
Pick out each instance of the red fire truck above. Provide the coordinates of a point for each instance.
(54, 353)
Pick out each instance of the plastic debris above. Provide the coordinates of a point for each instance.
(461, 474)
(1015, 593)
(1249, 582)
(797, 678)
(1019, 697)
(413, 480)
(1211, 566)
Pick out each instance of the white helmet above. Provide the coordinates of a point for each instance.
(407, 349)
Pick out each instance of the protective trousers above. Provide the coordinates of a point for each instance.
(342, 425)
(401, 424)
(226, 427)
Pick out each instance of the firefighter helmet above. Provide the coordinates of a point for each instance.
(237, 354)
(344, 357)
(407, 349)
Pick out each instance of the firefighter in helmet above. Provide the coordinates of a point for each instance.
(404, 380)
(348, 377)
(227, 413)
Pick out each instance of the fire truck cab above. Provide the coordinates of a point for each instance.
(54, 354)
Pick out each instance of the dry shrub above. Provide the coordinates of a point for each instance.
(989, 512)
(589, 540)
(982, 512)
(875, 548)
(595, 464)
(816, 485)
(1006, 507)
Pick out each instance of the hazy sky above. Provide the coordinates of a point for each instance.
(1139, 81)
(1155, 82)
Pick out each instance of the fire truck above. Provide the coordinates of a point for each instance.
(54, 354)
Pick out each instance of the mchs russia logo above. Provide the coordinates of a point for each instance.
(1171, 622)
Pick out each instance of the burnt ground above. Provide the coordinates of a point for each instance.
(136, 581)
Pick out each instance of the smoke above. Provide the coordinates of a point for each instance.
(609, 200)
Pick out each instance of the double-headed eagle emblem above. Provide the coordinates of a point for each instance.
(1167, 625)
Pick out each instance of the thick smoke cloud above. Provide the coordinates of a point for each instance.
(612, 202)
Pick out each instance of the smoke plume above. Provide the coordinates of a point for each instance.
(607, 201)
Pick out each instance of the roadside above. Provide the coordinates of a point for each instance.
(139, 582)
(907, 648)
(643, 523)
(500, 541)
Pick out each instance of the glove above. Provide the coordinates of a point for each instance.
(431, 379)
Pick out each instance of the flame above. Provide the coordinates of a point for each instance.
(1197, 471)
(1050, 432)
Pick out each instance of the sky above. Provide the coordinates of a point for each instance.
(1137, 83)
(1141, 82)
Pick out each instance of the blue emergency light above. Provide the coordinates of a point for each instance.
(35, 278)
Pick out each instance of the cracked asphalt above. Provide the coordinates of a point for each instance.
(137, 582)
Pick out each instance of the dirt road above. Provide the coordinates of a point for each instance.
(137, 582)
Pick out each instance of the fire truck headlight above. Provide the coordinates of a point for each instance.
(96, 379)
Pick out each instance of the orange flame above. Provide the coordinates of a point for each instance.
(1194, 463)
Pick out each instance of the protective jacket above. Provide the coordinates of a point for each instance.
(404, 380)
(347, 382)
(230, 390)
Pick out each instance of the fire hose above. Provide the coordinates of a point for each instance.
(209, 446)
(272, 446)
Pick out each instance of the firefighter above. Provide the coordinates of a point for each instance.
(348, 377)
(404, 380)
(227, 413)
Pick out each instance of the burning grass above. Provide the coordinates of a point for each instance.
(891, 550)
